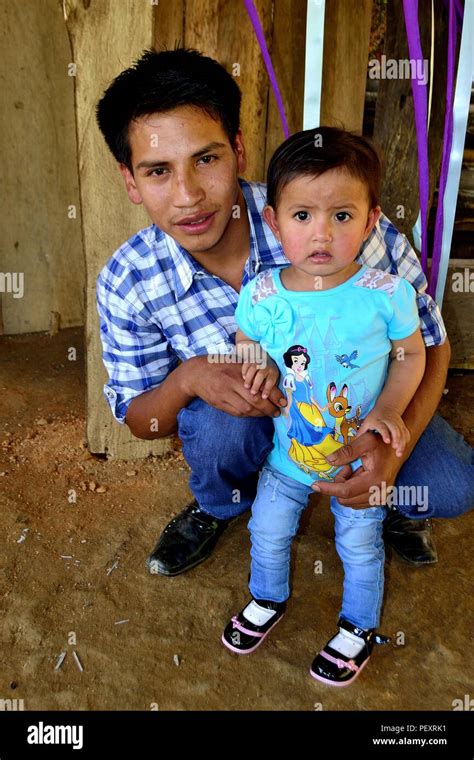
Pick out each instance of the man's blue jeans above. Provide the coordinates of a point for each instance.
(276, 513)
(226, 453)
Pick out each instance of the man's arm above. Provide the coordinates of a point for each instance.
(380, 461)
(426, 399)
(153, 413)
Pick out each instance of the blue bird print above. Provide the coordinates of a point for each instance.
(347, 360)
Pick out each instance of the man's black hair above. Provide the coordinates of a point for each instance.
(159, 82)
(315, 151)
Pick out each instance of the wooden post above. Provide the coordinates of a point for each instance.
(106, 37)
(39, 192)
(346, 44)
(394, 128)
(287, 51)
(223, 31)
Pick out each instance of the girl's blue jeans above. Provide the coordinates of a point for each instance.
(276, 513)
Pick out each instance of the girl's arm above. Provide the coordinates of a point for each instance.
(405, 373)
(406, 370)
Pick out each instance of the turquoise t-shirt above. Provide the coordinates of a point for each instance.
(332, 348)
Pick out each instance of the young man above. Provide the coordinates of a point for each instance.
(166, 301)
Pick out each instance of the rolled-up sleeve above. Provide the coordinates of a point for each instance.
(136, 353)
(408, 266)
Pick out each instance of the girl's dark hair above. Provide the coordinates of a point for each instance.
(315, 151)
(295, 351)
(159, 82)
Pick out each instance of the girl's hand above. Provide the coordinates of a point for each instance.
(390, 426)
(262, 376)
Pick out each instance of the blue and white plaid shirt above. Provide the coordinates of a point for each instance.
(157, 305)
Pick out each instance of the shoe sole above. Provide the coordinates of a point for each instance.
(249, 651)
(154, 569)
(407, 561)
(328, 681)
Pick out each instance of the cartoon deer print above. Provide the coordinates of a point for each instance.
(338, 407)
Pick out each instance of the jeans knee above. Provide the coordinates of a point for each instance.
(231, 442)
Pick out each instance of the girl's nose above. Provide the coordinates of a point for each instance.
(321, 231)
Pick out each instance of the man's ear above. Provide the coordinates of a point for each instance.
(130, 185)
(239, 150)
(372, 219)
(269, 215)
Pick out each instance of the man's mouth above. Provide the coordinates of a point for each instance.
(197, 223)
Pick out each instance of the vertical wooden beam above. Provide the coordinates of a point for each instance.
(394, 128)
(168, 25)
(39, 171)
(222, 30)
(287, 51)
(106, 37)
(346, 46)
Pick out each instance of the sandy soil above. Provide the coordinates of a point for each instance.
(146, 641)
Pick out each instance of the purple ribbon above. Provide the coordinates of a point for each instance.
(410, 9)
(254, 18)
(447, 144)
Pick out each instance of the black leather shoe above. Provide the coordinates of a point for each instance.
(186, 541)
(411, 539)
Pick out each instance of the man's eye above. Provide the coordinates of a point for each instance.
(342, 216)
(158, 172)
(204, 158)
(302, 216)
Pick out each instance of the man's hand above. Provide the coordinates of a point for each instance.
(221, 385)
(356, 489)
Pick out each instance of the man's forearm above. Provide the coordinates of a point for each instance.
(426, 399)
(153, 413)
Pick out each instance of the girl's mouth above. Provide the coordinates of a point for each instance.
(320, 257)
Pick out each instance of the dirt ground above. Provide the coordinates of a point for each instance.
(147, 642)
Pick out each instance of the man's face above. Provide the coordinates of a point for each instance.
(185, 172)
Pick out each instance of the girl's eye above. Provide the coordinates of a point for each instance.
(342, 216)
(302, 216)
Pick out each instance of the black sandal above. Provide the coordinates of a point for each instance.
(334, 668)
(242, 636)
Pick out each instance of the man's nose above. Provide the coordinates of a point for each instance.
(187, 191)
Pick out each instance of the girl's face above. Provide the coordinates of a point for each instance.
(298, 363)
(321, 223)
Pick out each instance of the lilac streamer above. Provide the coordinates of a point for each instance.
(254, 18)
(447, 144)
(459, 9)
(410, 10)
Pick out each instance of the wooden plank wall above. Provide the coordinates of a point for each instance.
(346, 45)
(39, 170)
(106, 37)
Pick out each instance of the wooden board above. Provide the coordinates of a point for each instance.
(394, 128)
(346, 44)
(222, 30)
(287, 51)
(106, 37)
(39, 170)
(458, 313)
